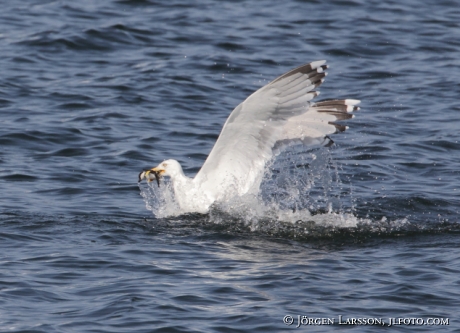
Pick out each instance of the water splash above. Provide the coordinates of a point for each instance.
(160, 200)
(300, 179)
(297, 185)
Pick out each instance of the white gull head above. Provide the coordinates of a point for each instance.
(170, 168)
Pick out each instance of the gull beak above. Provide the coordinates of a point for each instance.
(150, 175)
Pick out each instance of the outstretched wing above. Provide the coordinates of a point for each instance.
(277, 113)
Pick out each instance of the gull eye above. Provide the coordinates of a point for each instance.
(165, 165)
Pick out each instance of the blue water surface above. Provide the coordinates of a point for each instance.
(93, 92)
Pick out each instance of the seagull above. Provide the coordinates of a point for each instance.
(279, 114)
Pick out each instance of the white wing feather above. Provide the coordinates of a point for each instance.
(279, 112)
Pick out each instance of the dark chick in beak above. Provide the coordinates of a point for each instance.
(150, 175)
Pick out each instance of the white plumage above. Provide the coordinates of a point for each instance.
(277, 114)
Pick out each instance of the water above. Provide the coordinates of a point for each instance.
(93, 92)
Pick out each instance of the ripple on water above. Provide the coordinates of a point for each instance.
(92, 92)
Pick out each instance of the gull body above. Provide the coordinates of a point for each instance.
(278, 114)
